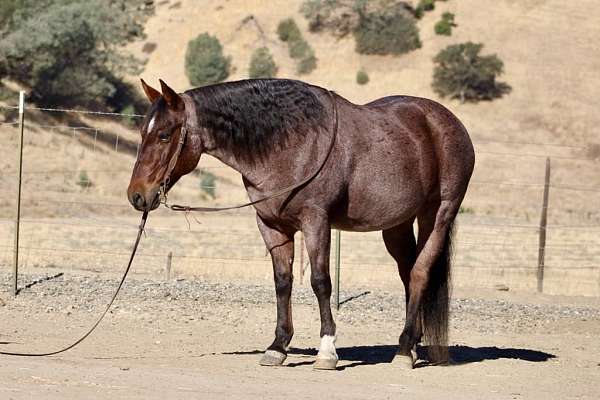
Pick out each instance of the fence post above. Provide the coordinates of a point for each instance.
(168, 268)
(338, 238)
(543, 224)
(301, 269)
(18, 210)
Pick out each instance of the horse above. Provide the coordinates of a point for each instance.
(380, 166)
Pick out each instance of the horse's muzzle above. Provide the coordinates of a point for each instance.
(140, 201)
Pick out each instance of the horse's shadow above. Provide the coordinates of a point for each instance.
(382, 354)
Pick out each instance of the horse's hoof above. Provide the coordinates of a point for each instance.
(404, 362)
(272, 358)
(325, 363)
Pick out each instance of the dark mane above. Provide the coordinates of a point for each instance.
(253, 117)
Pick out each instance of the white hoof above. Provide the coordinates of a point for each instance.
(325, 363)
(272, 358)
(402, 361)
(327, 357)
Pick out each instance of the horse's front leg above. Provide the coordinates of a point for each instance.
(317, 236)
(281, 247)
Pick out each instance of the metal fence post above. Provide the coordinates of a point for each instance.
(18, 210)
(543, 224)
(338, 238)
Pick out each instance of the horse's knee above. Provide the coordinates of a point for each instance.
(321, 283)
(283, 281)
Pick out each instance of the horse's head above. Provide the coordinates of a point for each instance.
(161, 133)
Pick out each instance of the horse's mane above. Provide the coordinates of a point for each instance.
(251, 118)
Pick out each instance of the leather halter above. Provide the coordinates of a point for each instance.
(175, 157)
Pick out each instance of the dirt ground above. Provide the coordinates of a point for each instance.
(199, 339)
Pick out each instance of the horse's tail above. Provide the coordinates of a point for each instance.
(436, 304)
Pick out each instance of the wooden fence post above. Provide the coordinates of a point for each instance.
(168, 267)
(338, 238)
(18, 210)
(543, 225)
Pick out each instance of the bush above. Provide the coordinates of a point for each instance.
(460, 72)
(445, 25)
(385, 33)
(287, 30)
(337, 16)
(298, 48)
(204, 61)
(208, 182)
(262, 64)
(84, 181)
(362, 78)
(307, 64)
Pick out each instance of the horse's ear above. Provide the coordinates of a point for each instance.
(173, 100)
(151, 93)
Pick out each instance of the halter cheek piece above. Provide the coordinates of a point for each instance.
(164, 186)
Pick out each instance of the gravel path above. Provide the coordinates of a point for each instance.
(89, 293)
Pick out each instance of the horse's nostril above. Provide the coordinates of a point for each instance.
(138, 200)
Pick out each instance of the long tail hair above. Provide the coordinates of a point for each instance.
(435, 305)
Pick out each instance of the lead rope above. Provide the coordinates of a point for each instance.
(188, 209)
(89, 332)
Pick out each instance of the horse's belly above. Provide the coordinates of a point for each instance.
(379, 204)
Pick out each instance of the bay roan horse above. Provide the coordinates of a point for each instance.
(393, 160)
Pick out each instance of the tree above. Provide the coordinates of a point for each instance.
(204, 61)
(69, 52)
(262, 64)
(387, 33)
(461, 72)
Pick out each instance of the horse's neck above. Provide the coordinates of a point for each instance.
(245, 168)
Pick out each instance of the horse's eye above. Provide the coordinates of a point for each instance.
(163, 137)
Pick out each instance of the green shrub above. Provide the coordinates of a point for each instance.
(298, 48)
(84, 181)
(307, 64)
(204, 61)
(208, 182)
(288, 30)
(362, 78)
(337, 16)
(385, 33)
(424, 6)
(445, 25)
(262, 64)
(461, 72)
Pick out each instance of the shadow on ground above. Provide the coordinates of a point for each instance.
(381, 354)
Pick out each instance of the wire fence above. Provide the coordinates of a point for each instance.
(75, 214)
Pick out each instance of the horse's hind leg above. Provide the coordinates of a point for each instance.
(400, 243)
(281, 247)
(429, 280)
